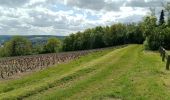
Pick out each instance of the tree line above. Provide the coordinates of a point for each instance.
(100, 37)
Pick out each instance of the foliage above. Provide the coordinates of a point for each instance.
(166, 38)
(135, 33)
(162, 19)
(3, 52)
(38, 49)
(115, 35)
(157, 35)
(100, 37)
(53, 45)
(17, 46)
(160, 36)
(148, 24)
(155, 40)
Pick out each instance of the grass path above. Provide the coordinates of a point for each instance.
(129, 73)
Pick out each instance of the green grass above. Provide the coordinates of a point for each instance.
(128, 73)
(169, 52)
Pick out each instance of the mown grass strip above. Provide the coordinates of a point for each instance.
(6, 86)
(63, 80)
(137, 75)
(101, 75)
(141, 82)
(29, 89)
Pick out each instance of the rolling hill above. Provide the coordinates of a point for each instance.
(128, 73)
(35, 39)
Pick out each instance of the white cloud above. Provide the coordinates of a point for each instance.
(96, 4)
(13, 3)
(62, 17)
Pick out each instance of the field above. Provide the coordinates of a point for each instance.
(129, 73)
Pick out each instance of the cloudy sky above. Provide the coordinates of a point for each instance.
(62, 17)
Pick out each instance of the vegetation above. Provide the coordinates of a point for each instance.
(2, 52)
(99, 37)
(53, 45)
(128, 73)
(162, 19)
(19, 46)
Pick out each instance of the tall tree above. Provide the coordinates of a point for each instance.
(148, 24)
(162, 19)
(53, 45)
(18, 46)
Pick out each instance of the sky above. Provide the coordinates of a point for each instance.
(63, 17)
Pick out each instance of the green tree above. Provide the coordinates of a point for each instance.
(86, 39)
(166, 41)
(134, 33)
(53, 45)
(115, 35)
(162, 19)
(156, 39)
(68, 43)
(3, 52)
(18, 46)
(97, 38)
(38, 49)
(148, 24)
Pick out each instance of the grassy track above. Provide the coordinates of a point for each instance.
(128, 73)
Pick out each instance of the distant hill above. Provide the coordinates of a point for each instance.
(35, 39)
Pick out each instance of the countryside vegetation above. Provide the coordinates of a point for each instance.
(129, 68)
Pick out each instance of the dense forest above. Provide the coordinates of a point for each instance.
(153, 32)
